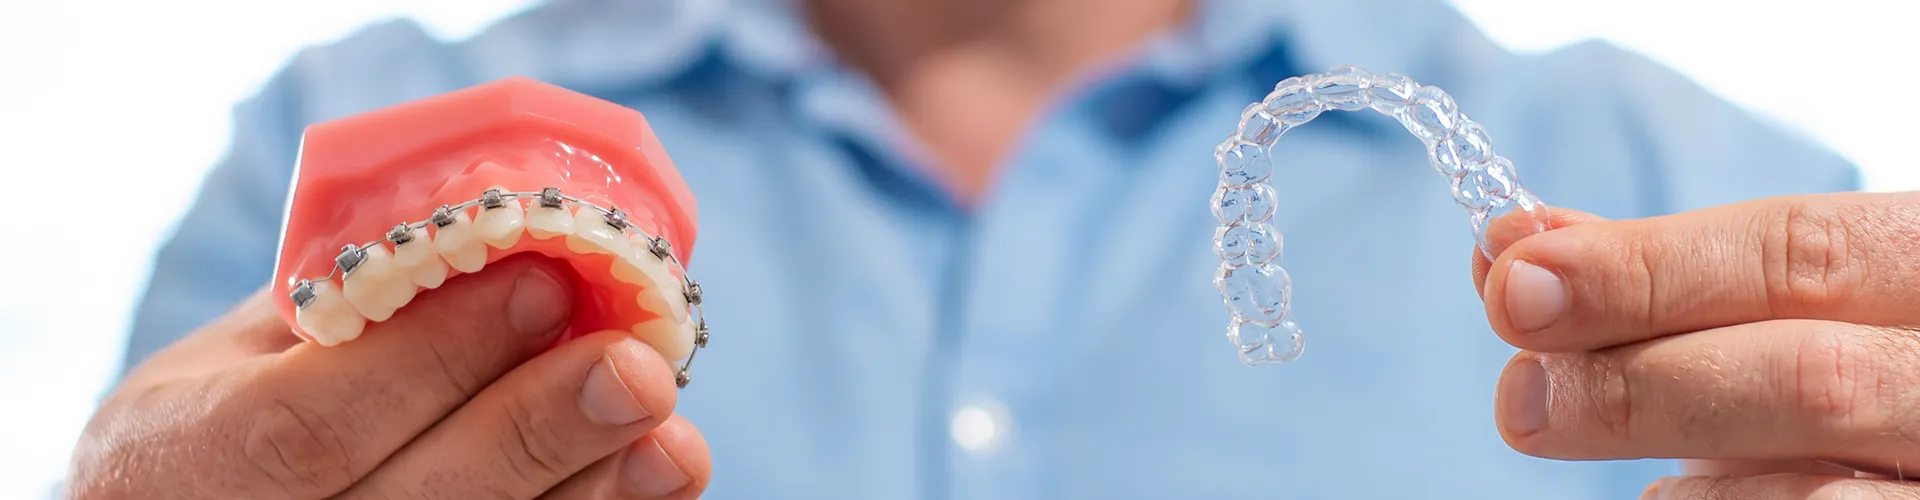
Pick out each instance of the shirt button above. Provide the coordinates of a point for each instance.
(980, 427)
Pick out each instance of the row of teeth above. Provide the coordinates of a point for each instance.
(378, 278)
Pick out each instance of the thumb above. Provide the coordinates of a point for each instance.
(1504, 235)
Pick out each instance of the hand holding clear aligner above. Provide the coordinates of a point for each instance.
(1256, 289)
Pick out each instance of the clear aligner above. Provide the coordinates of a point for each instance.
(1257, 291)
(352, 255)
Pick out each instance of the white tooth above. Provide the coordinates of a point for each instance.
(548, 222)
(591, 234)
(329, 319)
(672, 333)
(686, 334)
(662, 294)
(502, 227)
(626, 268)
(673, 340)
(458, 244)
(419, 262)
(378, 287)
(675, 293)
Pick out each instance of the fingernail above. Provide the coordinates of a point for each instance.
(1652, 493)
(1523, 401)
(537, 304)
(605, 398)
(650, 473)
(1535, 297)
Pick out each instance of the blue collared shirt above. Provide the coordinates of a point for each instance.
(857, 307)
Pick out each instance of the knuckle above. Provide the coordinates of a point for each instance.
(298, 449)
(1897, 355)
(1609, 393)
(1809, 250)
(1828, 378)
(1642, 300)
(1844, 383)
(536, 450)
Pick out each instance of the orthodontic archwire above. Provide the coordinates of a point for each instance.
(352, 255)
(1256, 290)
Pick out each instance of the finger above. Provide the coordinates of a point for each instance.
(1785, 389)
(1841, 257)
(1778, 487)
(541, 423)
(314, 419)
(1747, 467)
(670, 463)
(1504, 232)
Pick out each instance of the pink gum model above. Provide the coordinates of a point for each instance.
(392, 202)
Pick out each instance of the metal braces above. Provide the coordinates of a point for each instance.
(352, 255)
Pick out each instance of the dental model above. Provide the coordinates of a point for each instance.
(392, 202)
(1257, 291)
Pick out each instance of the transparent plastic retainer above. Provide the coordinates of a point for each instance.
(1256, 289)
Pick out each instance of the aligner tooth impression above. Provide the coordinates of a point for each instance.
(449, 184)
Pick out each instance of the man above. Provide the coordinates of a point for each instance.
(959, 249)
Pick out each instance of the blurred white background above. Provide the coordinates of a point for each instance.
(137, 94)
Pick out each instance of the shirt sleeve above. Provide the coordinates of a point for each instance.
(224, 246)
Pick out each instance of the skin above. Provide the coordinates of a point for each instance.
(968, 77)
(1770, 343)
(458, 395)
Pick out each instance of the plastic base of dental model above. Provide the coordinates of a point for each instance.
(1257, 291)
(352, 255)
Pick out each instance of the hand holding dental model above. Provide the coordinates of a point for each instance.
(1771, 341)
(511, 167)
(490, 290)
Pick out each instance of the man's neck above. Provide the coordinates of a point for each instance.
(969, 76)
